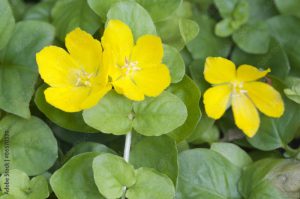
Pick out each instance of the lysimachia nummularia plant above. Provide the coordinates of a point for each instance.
(149, 99)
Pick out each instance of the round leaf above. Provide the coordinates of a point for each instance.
(7, 23)
(175, 63)
(159, 115)
(135, 16)
(206, 174)
(75, 179)
(189, 93)
(288, 7)
(113, 114)
(111, 174)
(159, 153)
(77, 14)
(151, 184)
(32, 146)
(189, 29)
(70, 121)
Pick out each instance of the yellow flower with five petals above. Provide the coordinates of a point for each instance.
(136, 70)
(78, 79)
(240, 89)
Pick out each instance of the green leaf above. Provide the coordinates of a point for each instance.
(111, 174)
(206, 174)
(206, 37)
(101, 7)
(77, 14)
(189, 29)
(224, 28)
(21, 187)
(135, 16)
(276, 59)
(19, 8)
(253, 38)
(288, 7)
(286, 30)
(113, 114)
(233, 153)
(40, 11)
(189, 93)
(151, 184)
(175, 63)
(75, 179)
(225, 7)
(7, 23)
(159, 153)
(293, 90)
(32, 146)
(196, 69)
(70, 121)
(276, 133)
(159, 115)
(18, 67)
(275, 178)
(260, 10)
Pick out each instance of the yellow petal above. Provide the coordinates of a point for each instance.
(126, 87)
(86, 50)
(56, 66)
(109, 62)
(148, 50)
(245, 114)
(118, 38)
(153, 80)
(250, 73)
(68, 99)
(265, 98)
(219, 70)
(216, 100)
(94, 97)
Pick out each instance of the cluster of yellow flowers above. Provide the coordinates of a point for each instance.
(80, 78)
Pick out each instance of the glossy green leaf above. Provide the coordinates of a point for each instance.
(70, 121)
(135, 16)
(18, 68)
(113, 114)
(111, 174)
(70, 14)
(207, 43)
(7, 23)
(75, 179)
(276, 133)
(288, 7)
(159, 153)
(32, 146)
(40, 11)
(18, 185)
(159, 115)
(189, 93)
(233, 153)
(151, 184)
(253, 38)
(206, 174)
(175, 63)
(276, 178)
(276, 59)
(101, 7)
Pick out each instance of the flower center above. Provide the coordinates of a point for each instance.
(83, 78)
(130, 67)
(238, 87)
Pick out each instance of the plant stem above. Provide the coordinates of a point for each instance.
(126, 155)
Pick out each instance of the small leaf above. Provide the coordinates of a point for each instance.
(78, 14)
(175, 63)
(111, 174)
(7, 23)
(135, 16)
(40, 11)
(189, 29)
(75, 179)
(32, 146)
(288, 7)
(113, 114)
(159, 153)
(159, 115)
(151, 184)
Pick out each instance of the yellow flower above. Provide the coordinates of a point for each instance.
(136, 70)
(77, 79)
(239, 89)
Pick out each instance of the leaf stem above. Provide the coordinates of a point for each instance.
(126, 155)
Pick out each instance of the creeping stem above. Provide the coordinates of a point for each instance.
(126, 155)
